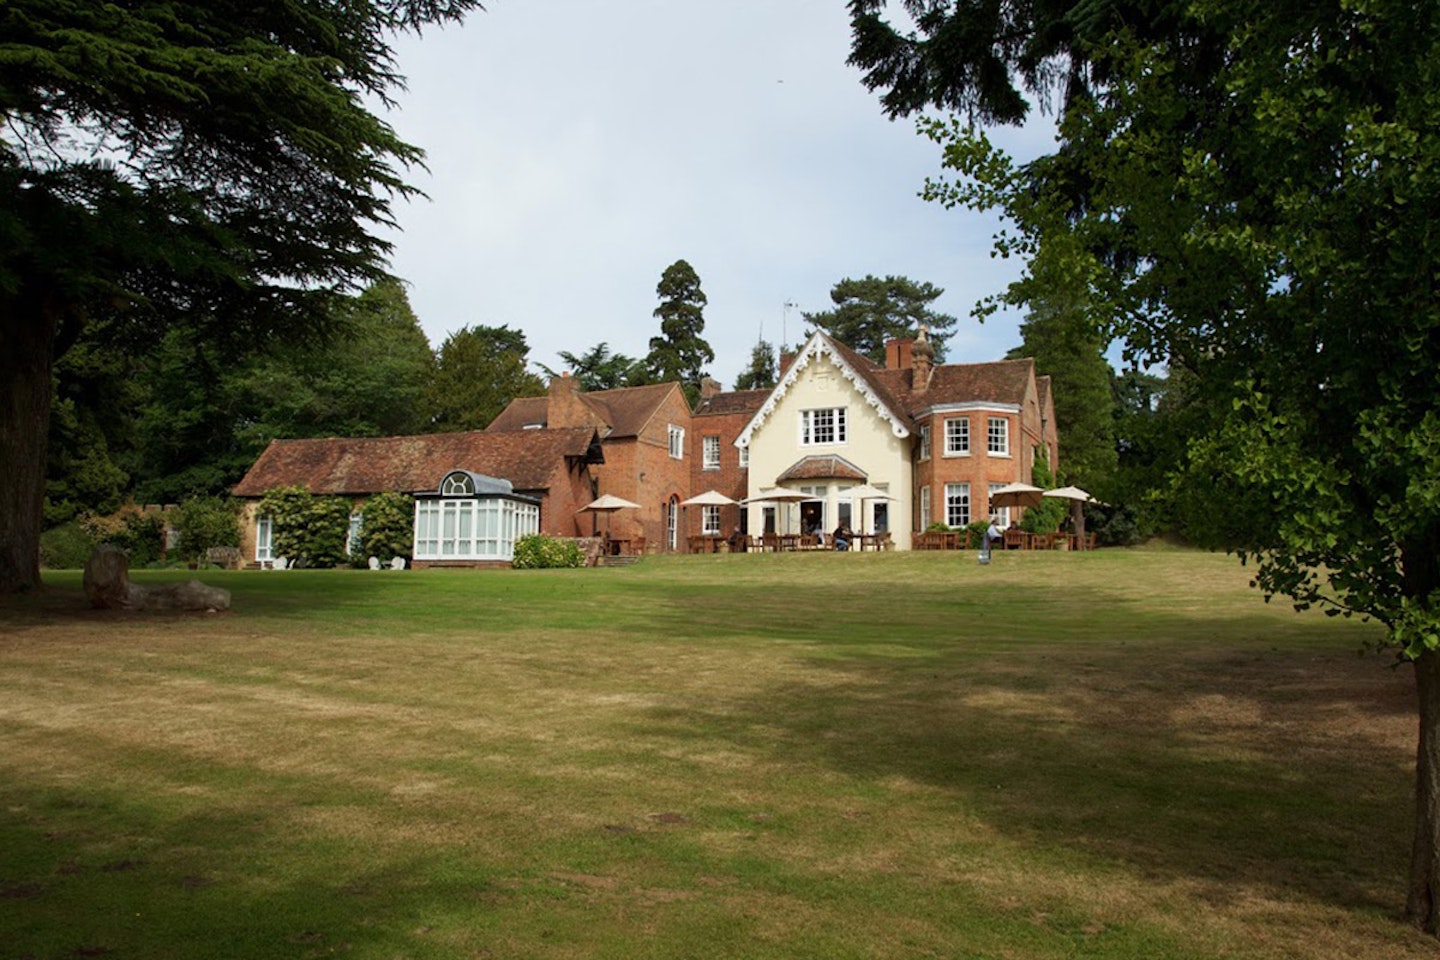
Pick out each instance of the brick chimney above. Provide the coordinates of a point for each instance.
(709, 386)
(565, 408)
(785, 360)
(922, 358)
(898, 353)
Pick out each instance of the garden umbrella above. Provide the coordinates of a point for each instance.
(780, 495)
(866, 492)
(1015, 495)
(1078, 498)
(710, 498)
(607, 505)
(1071, 493)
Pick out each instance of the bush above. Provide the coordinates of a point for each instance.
(66, 547)
(1052, 511)
(538, 551)
(1113, 525)
(388, 527)
(306, 526)
(140, 534)
(205, 522)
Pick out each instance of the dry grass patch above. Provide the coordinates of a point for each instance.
(1108, 755)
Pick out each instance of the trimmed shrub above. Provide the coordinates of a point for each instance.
(205, 522)
(1047, 517)
(140, 534)
(538, 551)
(388, 527)
(307, 527)
(66, 547)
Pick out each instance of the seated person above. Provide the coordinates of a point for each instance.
(994, 534)
(842, 537)
(738, 541)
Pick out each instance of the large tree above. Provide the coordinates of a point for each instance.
(763, 369)
(211, 161)
(680, 352)
(1261, 183)
(478, 371)
(872, 310)
(600, 369)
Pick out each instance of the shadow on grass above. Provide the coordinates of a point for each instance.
(91, 874)
(1229, 752)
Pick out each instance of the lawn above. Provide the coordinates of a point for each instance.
(1118, 754)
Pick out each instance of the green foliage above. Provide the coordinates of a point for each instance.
(94, 391)
(205, 522)
(207, 413)
(306, 527)
(478, 371)
(66, 547)
(975, 531)
(537, 552)
(1256, 187)
(186, 164)
(1060, 335)
(387, 529)
(368, 378)
(140, 533)
(872, 310)
(938, 526)
(763, 370)
(1051, 512)
(599, 369)
(680, 353)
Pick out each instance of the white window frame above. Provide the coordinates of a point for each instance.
(997, 433)
(710, 452)
(745, 456)
(458, 484)
(471, 528)
(352, 533)
(957, 505)
(1000, 515)
(828, 422)
(709, 519)
(925, 441)
(957, 436)
(677, 442)
(925, 507)
(264, 540)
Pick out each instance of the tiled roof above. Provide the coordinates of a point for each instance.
(735, 401)
(875, 376)
(363, 465)
(628, 409)
(521, 413)
(1002, 381)
(822, 468)
(625, 410)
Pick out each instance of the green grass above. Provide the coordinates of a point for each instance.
(1119, 754)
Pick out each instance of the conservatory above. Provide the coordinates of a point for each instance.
(472, 518)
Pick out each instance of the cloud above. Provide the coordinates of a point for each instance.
(575, 149)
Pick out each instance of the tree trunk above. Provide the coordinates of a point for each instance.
(28, 324)
(1420, 575)
(1423, 904)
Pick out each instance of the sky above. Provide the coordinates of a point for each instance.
(577, 148)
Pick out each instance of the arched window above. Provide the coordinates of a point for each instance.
(457, 484)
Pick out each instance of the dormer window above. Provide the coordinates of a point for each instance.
(457, 484)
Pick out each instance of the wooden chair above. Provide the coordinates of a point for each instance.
(1014, 539)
